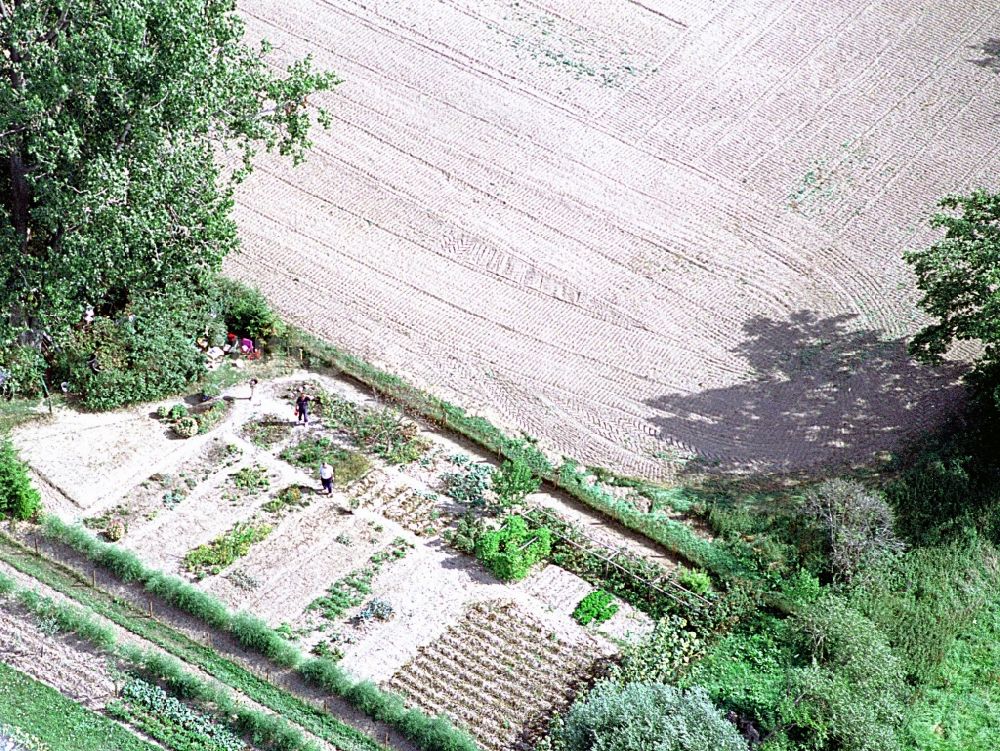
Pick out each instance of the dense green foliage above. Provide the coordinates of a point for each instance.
(511, 551)
(59, 722)
(18, 497)
(111, 195)
(596, 607)
(960, 278)
(221, 552)
(647, 717)
(514, 481)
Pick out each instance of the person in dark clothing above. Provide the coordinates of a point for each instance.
(302, 407)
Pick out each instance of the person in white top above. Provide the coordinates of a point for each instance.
(326, 477)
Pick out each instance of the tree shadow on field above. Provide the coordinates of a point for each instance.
(991, 54)
(823, 393)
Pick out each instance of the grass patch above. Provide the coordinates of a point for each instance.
(213, 557)
(267, 431)
(287, 500)
(309, 453)
(252, 479)
(60, 723)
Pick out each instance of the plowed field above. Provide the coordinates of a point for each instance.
(640, 230)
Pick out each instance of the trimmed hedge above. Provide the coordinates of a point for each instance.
(430, 734)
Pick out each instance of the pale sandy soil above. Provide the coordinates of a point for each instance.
(638, 230)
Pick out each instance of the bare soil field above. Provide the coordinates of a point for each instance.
(641, 231)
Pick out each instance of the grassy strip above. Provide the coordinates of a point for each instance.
(269, 730)
(59, 722)
(289, 706)
(430, 734)
(671, 534)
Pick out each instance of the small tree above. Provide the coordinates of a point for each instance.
(514, 482)
(18, 498)
(960, 278)
(647, 717)
(858, 525)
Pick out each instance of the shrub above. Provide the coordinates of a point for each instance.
(163, 412)
(252, 479)
(115, 530)
(246, 311)
(695, 579)
(216, 555)
(514, 482)
(211, 416)
(664, 655)
(470, 483)
(186, 427)
(142, 354)
(511, 551)
(377, 609)
(177, 411)
(598, 607)
(254, 634)
(18, 497)
(647, 717)
(858, 525)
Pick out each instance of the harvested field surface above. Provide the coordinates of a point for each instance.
(642, 231)
(474, 673)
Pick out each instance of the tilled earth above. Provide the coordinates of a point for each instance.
(642, 231)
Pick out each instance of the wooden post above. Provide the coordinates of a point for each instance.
(150, 607)
(93, 578)
(36, 545)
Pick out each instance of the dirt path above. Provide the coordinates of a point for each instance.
(639, 231)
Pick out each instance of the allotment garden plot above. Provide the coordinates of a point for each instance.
(374, 575)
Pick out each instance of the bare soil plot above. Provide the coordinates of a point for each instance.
(640, 231)
(499, 672)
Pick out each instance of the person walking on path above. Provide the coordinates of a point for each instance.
(302, 407)
(326, 477)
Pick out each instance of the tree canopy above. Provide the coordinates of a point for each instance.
(115, 120)
(960, 278)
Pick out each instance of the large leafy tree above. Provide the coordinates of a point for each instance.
(123, 128)
(960, 278)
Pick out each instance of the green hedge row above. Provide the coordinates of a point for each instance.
(262, 728)
(671, 534)
(430, 734)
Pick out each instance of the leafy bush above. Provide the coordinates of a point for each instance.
(376, 608)
(211, 416)
(513, 482)
(169, 721)
(141, 354)
(647, 717)
(252, 479)
(177, 411)
(598, 607)
(470, 483)
(216, 555)
(858, 524)
(694, 579)
(246, 311)
(186, 427)
(511, 551)
(18, 497)
(664, 655)
(287, 499)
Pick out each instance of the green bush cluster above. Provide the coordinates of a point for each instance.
(470, 483)
(214, 556)
(647, 717)
(429, 734)
(664, 655)
(164, 718)
(514, 482)
(18, 497)
(246, 311)
(597, 607)
(511, 551)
